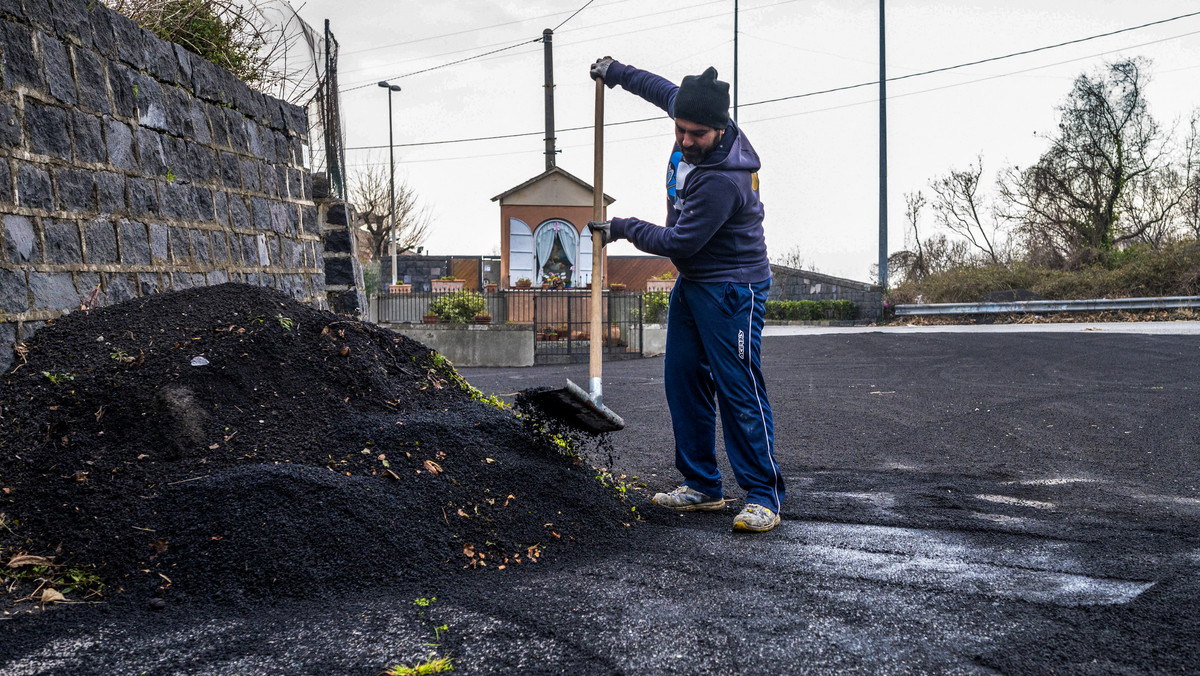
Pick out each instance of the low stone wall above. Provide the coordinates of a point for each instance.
(792, 284)
(130, 166)
(473, 344)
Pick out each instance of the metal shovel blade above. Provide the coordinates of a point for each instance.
(575, 407)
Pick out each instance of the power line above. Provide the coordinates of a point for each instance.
(673, 24)
(976, 63)
(585, 5)
(444, 65)
(472, 30)
(815, 93)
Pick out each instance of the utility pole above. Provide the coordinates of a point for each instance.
(883, 223)
(548, 50)
(392, 183)
(735, 59)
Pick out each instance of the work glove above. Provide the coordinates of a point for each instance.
(605, 230)
(600, 68)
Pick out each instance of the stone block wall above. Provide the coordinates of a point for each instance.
(791, 284)
(130, 166)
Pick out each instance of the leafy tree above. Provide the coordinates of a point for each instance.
(370, 195)
(1088, 192)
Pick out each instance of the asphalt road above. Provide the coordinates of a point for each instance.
(958, 502)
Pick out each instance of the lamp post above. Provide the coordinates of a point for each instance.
(392, 182)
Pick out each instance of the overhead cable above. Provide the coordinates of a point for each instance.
(818, 92)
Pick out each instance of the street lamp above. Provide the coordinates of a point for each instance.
(392, 183)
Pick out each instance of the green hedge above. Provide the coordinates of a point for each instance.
(810, 310)
(460, 306)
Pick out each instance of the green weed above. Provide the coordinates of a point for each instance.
(58, 378)
(285, 322)
(433, 665)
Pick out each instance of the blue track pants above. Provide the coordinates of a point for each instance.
(714, 341)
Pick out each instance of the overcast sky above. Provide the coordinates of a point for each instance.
(819, 180)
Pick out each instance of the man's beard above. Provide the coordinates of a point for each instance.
(695, 155)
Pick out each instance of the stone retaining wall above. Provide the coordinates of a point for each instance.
(792, 284)
(130, 166)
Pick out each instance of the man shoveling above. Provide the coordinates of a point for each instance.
(714, 236)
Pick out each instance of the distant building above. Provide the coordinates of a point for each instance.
(543, 228)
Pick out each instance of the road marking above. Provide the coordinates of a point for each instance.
(882, 500)
(1056, 482)
(1009, 500)
(1025, 568)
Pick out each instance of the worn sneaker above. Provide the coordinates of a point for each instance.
(686, 499)
(756, 519)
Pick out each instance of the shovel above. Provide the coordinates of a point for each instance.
(571, 404)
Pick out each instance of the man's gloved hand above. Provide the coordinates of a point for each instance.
(605, 230)
(600, 68)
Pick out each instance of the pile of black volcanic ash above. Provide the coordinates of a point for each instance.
(229, 441)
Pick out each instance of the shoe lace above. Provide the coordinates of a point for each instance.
(758, 510)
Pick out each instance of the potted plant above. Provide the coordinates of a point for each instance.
(483, 318)
(552, 335)
(663, 282)
(614, 336)
(616, 287)
(554, 280)
(490, 287)
(399, 288)
(523, 283)
(447, 284)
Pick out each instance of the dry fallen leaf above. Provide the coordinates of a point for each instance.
(52, 596)
(432, 466)
(469, 550)
(462, 513)
(29, 560)
(214, 447)
(391, 474)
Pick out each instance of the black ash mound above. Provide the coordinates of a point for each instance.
(229, 442)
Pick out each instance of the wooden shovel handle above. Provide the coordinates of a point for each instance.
(596, 356)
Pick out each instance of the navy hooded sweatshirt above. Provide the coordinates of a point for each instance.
(714, 227)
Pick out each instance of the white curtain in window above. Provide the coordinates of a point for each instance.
(544, 242)
(520, 251)
(569, 239)
(583, 268)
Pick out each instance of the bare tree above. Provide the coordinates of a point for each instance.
(370, 195)
(910, 263)
(961, 209)
(1106, 144)
(794, 258)
(1189, 208)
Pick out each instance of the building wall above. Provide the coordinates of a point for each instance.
(635, 271)
(130, 166)
(534, 215)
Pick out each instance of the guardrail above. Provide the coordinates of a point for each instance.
(1105, 304)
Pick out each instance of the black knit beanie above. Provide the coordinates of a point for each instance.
(703, 99)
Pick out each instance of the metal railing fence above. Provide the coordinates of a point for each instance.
(1099, 305)
(560, 319)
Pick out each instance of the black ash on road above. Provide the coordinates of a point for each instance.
(1009, 503)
